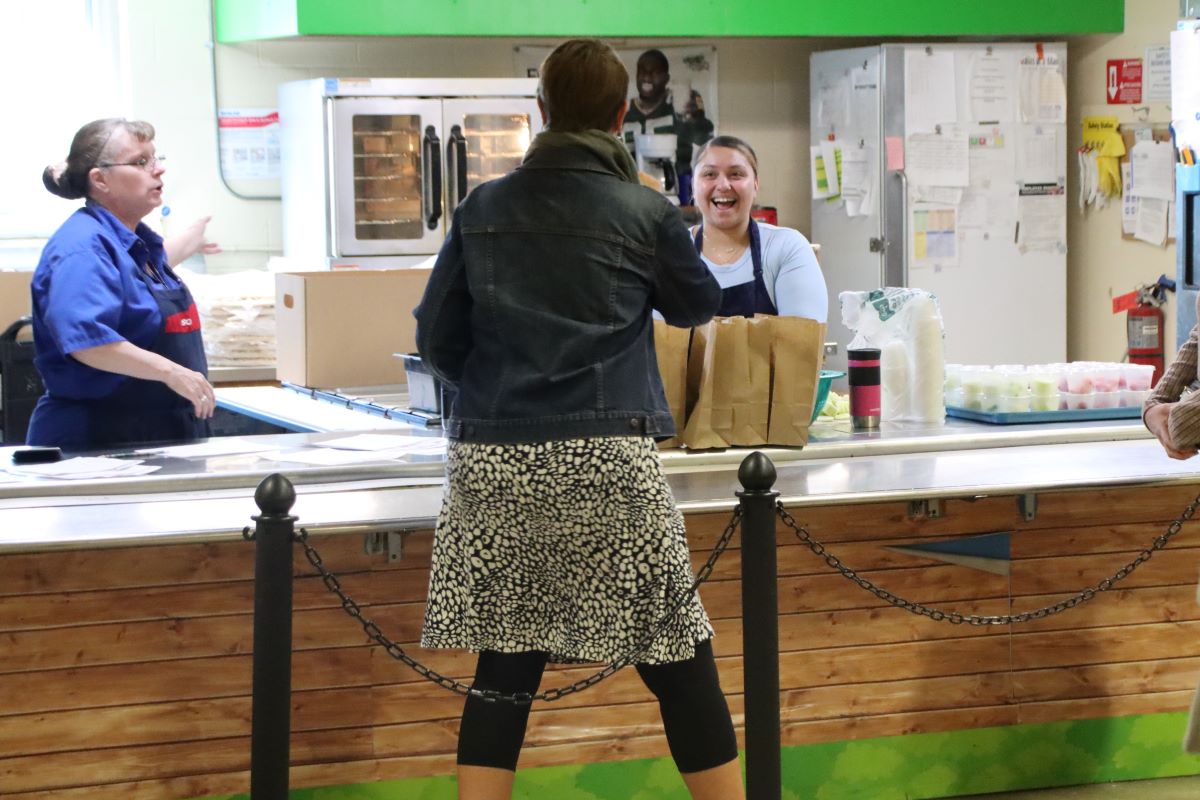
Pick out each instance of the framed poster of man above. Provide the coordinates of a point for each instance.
(672, 92)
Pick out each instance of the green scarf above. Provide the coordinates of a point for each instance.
(608, 148)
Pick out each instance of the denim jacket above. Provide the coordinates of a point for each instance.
(538, 310)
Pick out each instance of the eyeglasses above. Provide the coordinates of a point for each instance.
(148, 164)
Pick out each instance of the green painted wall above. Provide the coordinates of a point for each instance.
(241, 20)
(915, 767)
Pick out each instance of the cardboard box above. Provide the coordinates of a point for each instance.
(340, 329)
(14, 298)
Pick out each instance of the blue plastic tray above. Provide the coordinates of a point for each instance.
(1021, 417)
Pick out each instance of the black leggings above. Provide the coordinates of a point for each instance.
(694, 712)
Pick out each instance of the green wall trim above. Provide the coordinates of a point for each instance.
(243, 20)
(914, 767)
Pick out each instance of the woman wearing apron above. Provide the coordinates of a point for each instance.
(762, 268)
(116, 333)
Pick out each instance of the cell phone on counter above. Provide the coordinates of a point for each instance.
(37, 455)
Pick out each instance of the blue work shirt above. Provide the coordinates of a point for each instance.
(87, 292)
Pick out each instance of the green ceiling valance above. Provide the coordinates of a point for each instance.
(246, 20)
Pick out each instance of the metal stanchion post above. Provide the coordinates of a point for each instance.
(271, 704)
(760, 627)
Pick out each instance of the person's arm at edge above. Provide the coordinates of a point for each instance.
(188, 242)
(126, 358)
(800, 289)
(443, 316)
(1175, 422)
(685, 292)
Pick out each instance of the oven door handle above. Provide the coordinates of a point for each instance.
(432, 151)
(456, 166)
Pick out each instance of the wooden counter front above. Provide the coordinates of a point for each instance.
(125, 672)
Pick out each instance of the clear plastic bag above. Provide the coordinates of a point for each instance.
(906, 325)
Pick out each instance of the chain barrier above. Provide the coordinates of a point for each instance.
(956, 618)
(373, 631)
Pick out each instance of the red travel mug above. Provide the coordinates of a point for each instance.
(865, 400)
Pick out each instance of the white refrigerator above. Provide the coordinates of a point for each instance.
(951, 167)
(373, 168)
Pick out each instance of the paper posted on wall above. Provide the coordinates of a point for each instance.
(1042, 218)
(858, 180)
(825, 166)
(930, 89)
(1150, 222)
(1043, 93)
(934, 235)
(938, 159)
(1152, 170)
(992, 88)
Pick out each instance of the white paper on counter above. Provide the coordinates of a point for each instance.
(84, 468)
(1152, 170)
(992, 88)
(377, 442)
(934, 159)
(327, 457)
(220, 446)
(930, 92)
(1151, 223)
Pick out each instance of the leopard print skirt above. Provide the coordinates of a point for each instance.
(570, 547)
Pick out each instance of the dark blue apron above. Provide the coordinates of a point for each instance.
(749, 298)
(140, 411)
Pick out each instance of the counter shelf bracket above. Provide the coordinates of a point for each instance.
(925, 509)
(390, 542)
(1027, 505)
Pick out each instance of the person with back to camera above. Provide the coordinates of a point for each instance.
(559, 539)
(116, 334)
(762, 268)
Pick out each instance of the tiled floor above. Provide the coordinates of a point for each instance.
(1162, 789)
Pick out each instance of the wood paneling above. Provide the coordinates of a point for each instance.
(125, 673)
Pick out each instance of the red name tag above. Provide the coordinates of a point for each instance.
(184, 322)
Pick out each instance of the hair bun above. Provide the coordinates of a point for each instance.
(53, 178)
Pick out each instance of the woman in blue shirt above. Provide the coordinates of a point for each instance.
(762, 268)
(116, 333)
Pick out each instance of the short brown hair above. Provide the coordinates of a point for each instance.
(88, 149)
(732, 143)
(583, 85)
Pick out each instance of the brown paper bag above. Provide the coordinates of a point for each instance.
(700, 432)
(796, 346)
(729, 380)
(747, 370)
(671, 350)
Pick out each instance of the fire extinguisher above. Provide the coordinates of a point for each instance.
(1144, 328)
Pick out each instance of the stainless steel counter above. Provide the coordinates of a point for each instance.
(212, 498)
